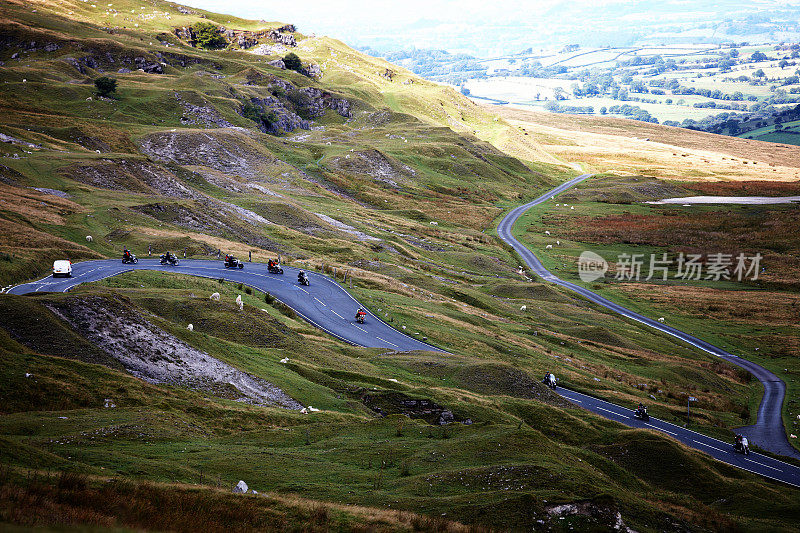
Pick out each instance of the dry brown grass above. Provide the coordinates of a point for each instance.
(76, 500)
(618, 145)
(36, 206)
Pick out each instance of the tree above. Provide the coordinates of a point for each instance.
(292, 62)
(758, 56)
(105, 85)
(603, 110)
(208, 36)
(783, 64)
(758, 74)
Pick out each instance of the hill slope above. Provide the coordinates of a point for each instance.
(352, 164)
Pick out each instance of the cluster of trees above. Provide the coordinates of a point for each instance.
(439, 65)
(633, 112)
(555, 107)
(209, 36)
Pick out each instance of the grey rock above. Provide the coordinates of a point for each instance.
(51, 47)
(124, 71)
(240, 488)
(285, 39)
(277, 63)
(311, 70)
(445, 418)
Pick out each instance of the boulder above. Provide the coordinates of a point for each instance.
(311, 70)
(240, 488)
(285, 39)
(277, 63)
(445, 418)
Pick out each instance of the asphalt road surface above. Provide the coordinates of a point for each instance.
(324, 303)
(768, 432)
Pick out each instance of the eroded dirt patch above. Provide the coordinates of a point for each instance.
(156, 356)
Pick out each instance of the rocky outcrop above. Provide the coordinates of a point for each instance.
(277, 63)
(151, 67)
(283, 119)
(322, 100)
(311, 70)
(286, 39)
(186, 34)
(202, 115)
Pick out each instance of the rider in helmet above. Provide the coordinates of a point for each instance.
(271, 263)
(301, 276)
(360, 313)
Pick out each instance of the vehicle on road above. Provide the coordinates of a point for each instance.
(62, 268)
(361, 315)
(273, 267)
(169, 258)
(741, 445)
(641, 413)
(232, 262)
(128, 258)
(302, 278)
(550, 380)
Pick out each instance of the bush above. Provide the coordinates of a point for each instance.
(292, 62)
(256, 114)
(208, 36)
(105, 85)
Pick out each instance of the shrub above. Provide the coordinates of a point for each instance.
(292, 62)
(105, 85)
(208, 36)
(256, 114)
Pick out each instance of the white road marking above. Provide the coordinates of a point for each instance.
(609, 411)
(573, 399)
(359, 327)
(337, 314)
(387, 342)
(660, 429)
(760, 464)
(320, 301)
(708, 445)
(305, 291)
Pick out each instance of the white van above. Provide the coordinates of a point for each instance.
(62, 267)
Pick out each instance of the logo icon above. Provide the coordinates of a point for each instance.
(591, 266)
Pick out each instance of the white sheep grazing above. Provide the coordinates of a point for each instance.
(434, 223)
(523, 308)
(239, 302)
(284, 360)
(558, 243)
(547, 232)
(215, 296)
(190, 327)
(548, 246)
(572, 207)
(89, 238)
(661, 319)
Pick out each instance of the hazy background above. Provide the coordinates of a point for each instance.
(486, 29)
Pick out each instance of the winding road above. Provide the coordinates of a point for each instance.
(768, 431)
(328, 306)
(324, 303)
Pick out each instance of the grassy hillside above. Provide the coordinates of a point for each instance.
(393, 178)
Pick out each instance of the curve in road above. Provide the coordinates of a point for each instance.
(768, 431)
(324, 303)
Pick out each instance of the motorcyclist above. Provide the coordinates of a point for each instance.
(301, 276)
(360, 314)
(126, 254)
(271, 264)
(742, 444)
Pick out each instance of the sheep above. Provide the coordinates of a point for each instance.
(239, 302)
(661, 319)
(215, 296)
(190, 327)
(523, 308)
(558, 243)
(434, 223)
(572, 207)
(547, 232)
(284, 360)
(89, 238)
(548, 246)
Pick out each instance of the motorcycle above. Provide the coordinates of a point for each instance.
(275, 269)
(232, 262)
(641, 414)
(169, 258)
(129, 259)
(741, 445)
(302, 279)
(550, 380)
(360, 317)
